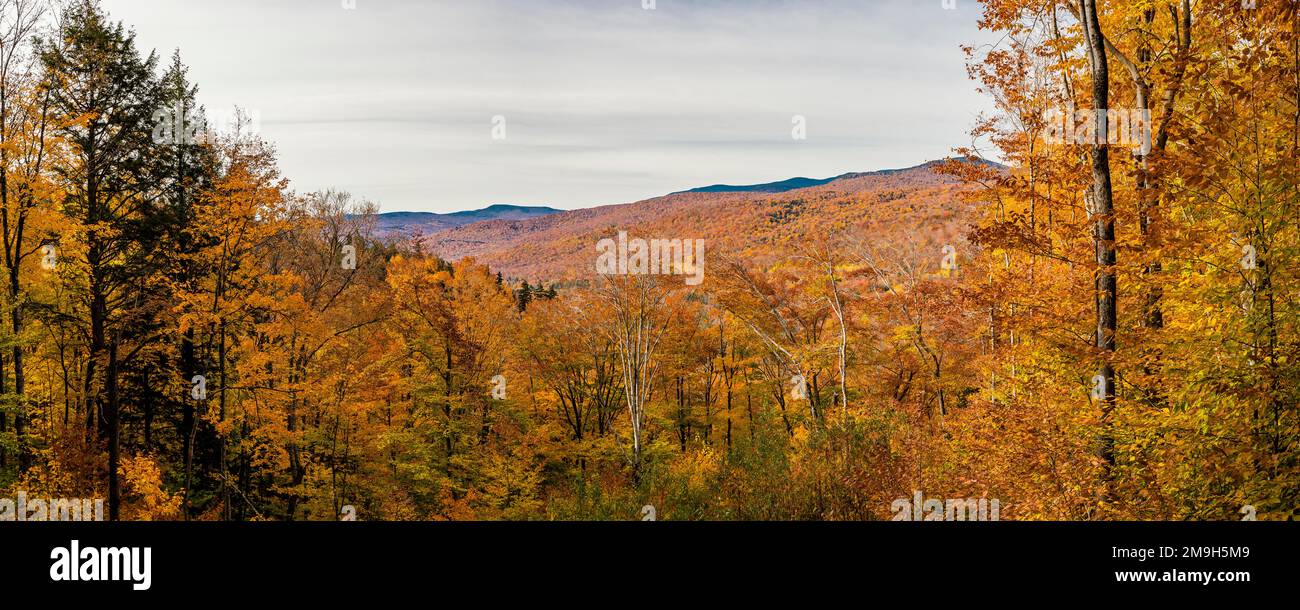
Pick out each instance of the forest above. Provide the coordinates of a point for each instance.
(1113, 337)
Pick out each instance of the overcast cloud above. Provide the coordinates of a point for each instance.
(604, 101)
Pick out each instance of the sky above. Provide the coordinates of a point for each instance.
(447, 105)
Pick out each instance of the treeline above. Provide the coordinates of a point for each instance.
(190, 339)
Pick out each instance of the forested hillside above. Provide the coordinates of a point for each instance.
(411, 225)
(1097, 331)
(919, 204)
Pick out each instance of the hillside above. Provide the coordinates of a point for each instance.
(407, 224)
(918, 204)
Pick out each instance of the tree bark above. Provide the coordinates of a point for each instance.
(1103, 228)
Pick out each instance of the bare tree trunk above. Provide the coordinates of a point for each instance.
(1103, 228)
(638, 326)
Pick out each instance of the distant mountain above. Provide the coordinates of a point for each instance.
(922, 206)
(400, 224)
(770, 187)
(802, 183)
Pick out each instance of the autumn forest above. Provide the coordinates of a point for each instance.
(1099, 326)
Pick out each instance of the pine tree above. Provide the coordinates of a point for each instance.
(106, 100)
(524, 297)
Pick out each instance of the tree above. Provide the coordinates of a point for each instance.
(238, 220)
(25, 189)
(524, 297)
(105, 95)
(640, 310)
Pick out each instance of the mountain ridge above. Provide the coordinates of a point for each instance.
(392, 222)
(918, 204)
(793, 184)
(388, 224)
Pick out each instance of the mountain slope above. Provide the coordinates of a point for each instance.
(919, 205)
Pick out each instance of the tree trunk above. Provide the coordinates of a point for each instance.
(1103, 228)
(190, 368)
(113, 422)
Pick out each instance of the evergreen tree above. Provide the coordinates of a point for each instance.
(524, 297)
(105, 101)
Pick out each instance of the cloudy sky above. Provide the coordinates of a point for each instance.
(603, 101)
